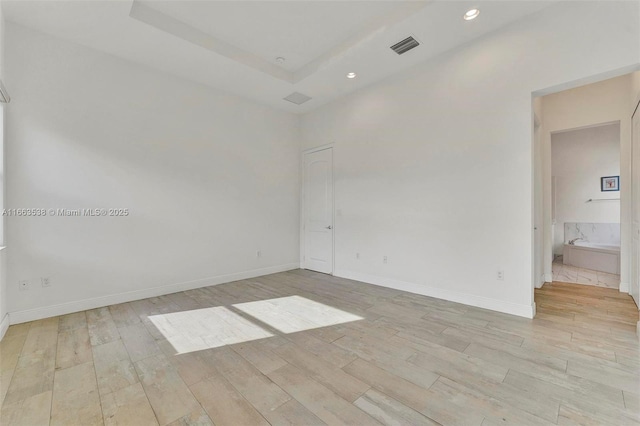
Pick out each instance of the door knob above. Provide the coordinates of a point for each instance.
(329, 227)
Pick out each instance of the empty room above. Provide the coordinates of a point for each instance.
(317, 212)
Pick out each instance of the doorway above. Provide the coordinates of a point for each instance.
(317, 210)
(634, 284)
(594, 107)
(585, 199)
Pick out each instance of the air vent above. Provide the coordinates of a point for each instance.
(297, 98)
(405, 45)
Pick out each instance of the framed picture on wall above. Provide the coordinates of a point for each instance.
(610, 183)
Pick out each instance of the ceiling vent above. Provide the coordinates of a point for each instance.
(297, 98)
(405, 45)
(4, 96)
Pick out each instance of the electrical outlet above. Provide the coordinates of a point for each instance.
(358, 256)
(45, 281)
(384, 259)
(259, 253)
(500, 275)
(23, 285)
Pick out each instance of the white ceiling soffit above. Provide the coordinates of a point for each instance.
(160, 14)
(144, 13)
(233, 45)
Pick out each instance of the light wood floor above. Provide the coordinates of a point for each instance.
(314, 349)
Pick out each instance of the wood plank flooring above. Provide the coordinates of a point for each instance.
(309, 349)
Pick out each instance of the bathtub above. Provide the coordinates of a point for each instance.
(596, 256)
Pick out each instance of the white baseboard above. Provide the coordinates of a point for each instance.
(548, 278)
(18, 317)
(527, 311)
(624, 287)
(4, 326)
(541, 281)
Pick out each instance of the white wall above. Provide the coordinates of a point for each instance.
(2, 38)
(4, 319)
(579, 158)
(635, 89)
(209, 179)
(603, 102)
(634, 228)
(433, 167)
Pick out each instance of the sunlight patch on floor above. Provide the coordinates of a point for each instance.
(295, 313)
(207, 328)
(201, 329)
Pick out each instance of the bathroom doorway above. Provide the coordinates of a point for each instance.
(582, 182)
(586, 196)
(585, 205)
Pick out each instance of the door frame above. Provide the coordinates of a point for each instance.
(635, 204)
(546, 224)
(302, 209)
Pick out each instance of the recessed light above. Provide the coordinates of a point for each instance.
(471, 14)
(351, 75)
(280, 60)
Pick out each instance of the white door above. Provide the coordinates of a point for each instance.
(634, 285)
(318, 211)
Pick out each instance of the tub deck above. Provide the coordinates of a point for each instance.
(596, 257)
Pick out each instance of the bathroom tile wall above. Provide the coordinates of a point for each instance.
(605, 233)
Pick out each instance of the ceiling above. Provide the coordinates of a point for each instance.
(233, 45)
